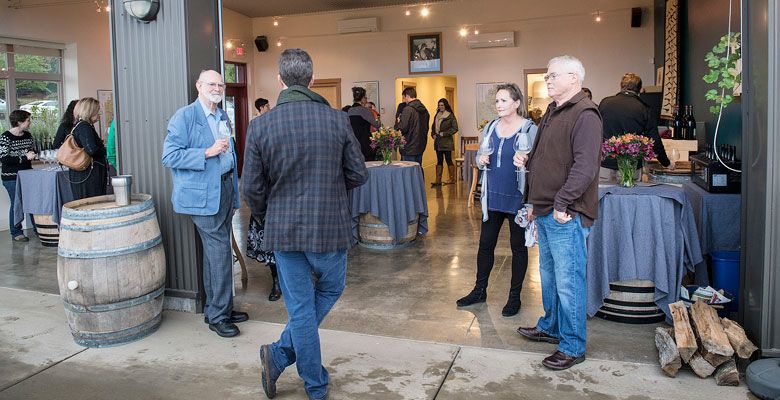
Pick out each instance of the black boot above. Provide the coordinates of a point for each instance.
(477, 295)
(512, 306)
(276, 293)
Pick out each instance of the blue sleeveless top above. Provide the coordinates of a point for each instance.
(502, 189)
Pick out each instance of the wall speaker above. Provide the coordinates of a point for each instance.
(261, 42)
(636, 17)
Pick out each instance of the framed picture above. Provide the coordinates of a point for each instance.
(486, 102)
(425, 53)
(372, 91)
(106, 100)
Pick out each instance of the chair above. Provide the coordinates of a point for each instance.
(467, 144)
(240, 258)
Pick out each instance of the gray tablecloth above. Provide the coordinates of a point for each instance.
(40, 191)
(469, 159)
(642, 233)
(395, 194)
(717, 218)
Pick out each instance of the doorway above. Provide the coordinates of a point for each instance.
(330, 89)
(236, 105)
(429, 90)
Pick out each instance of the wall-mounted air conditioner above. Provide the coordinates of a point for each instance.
(497, 39)
(358, 25)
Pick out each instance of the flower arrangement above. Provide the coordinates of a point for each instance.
(385, 140)
(628, 149)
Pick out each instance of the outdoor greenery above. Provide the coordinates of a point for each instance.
(230, 73)
(725, 70)
(44, 125)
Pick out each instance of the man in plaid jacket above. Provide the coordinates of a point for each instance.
(300, 160)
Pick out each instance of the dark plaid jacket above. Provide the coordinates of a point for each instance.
(300, 160)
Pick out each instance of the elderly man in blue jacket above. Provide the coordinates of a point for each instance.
(202, 159)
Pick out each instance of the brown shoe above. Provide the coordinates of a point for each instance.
(537, 335)
(559, 361)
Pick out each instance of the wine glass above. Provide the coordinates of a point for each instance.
(485, 149)
(522, 148)
(52, 159)
(673, 158)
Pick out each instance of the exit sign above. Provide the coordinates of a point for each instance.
(239, 51)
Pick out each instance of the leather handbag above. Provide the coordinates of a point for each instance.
(73, 156)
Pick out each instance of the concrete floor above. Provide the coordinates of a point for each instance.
(395, 334)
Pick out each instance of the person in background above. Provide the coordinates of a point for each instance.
(262, 105)
(371, 106)
(362, 120)
(17, 150)
(588, 92)
(562, 187)
(413, 124)
(93, 180)
(308, 223)
(626, 112)
(111, 149)
(445, 125)
(501, 199)
(66, 125)
(202, 159)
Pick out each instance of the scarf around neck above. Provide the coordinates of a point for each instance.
(299, 93)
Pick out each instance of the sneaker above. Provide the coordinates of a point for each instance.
(21, 238)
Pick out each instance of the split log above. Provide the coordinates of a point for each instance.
(715, 346)
(683, 333)
(727, 374)
(739, 341)
(700, 366)
(667, 351)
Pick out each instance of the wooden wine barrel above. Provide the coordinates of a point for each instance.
(631, 302)
(111, 270)
(375, 234)
(46, 229)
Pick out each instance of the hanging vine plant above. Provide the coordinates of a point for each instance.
(725, 64)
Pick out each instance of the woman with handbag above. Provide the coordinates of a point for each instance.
(92, 180)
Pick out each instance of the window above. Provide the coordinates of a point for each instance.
(235, 72)
(31, 80)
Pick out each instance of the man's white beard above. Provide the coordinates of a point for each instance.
(214, 98)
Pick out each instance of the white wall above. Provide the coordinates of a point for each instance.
(238, 27)
(84, 32)
(607, 49)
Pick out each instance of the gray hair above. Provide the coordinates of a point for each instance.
(295, 67)
(571, 64)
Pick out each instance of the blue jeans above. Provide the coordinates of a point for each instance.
(10, 187)
(562, 263)
(307, 302)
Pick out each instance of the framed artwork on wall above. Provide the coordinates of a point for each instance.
(372, 91)
(486, 103)
(106, 100)
(425, 53)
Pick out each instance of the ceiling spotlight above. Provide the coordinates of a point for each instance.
(598, 16)
(278, 43)
(476, 31)
(108, 8)
(228, 45)
(425, 11)
(464, 32)
(276, 22)
(408, 13)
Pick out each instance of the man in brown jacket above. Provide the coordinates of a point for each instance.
(563, 170)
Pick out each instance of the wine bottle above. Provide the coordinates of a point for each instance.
(675, 123)
(683, 124)
(690, 124)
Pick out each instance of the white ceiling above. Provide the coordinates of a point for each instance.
(271, 8)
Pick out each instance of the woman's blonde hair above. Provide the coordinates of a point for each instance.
(86, 108)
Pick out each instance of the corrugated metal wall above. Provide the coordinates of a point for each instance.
(155, 66)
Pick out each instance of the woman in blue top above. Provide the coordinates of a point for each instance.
(501, 198)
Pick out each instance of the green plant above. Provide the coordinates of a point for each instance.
(44, 124)
(725, 64)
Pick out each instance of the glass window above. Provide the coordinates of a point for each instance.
(3, 61)
(36, 64)
(230, 73)
(41, 99)
(4, 125)
(230, 108)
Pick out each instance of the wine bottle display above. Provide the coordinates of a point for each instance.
(690, 126)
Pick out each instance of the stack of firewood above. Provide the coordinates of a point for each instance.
(703, 341)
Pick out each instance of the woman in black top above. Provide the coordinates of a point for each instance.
(92, 181)
(362, 119)
(66, 124)
(16, 153)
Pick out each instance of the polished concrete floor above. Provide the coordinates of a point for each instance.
(407, 293)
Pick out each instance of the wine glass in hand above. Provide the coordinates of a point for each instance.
(485, 149)
(522, 148)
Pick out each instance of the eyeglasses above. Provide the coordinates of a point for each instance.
(554, 75)
(213, 85)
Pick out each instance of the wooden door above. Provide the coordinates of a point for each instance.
(330, 89)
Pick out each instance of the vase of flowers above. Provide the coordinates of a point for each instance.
(627, 150)
(385, 141)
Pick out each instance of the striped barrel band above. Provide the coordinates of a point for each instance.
(81, 215)
(115, 306)
(92, 228)
(67, 253)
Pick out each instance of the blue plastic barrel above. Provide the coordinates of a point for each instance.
(725, 273)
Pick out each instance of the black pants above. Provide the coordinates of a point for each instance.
(488, 238)
(441, 155)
